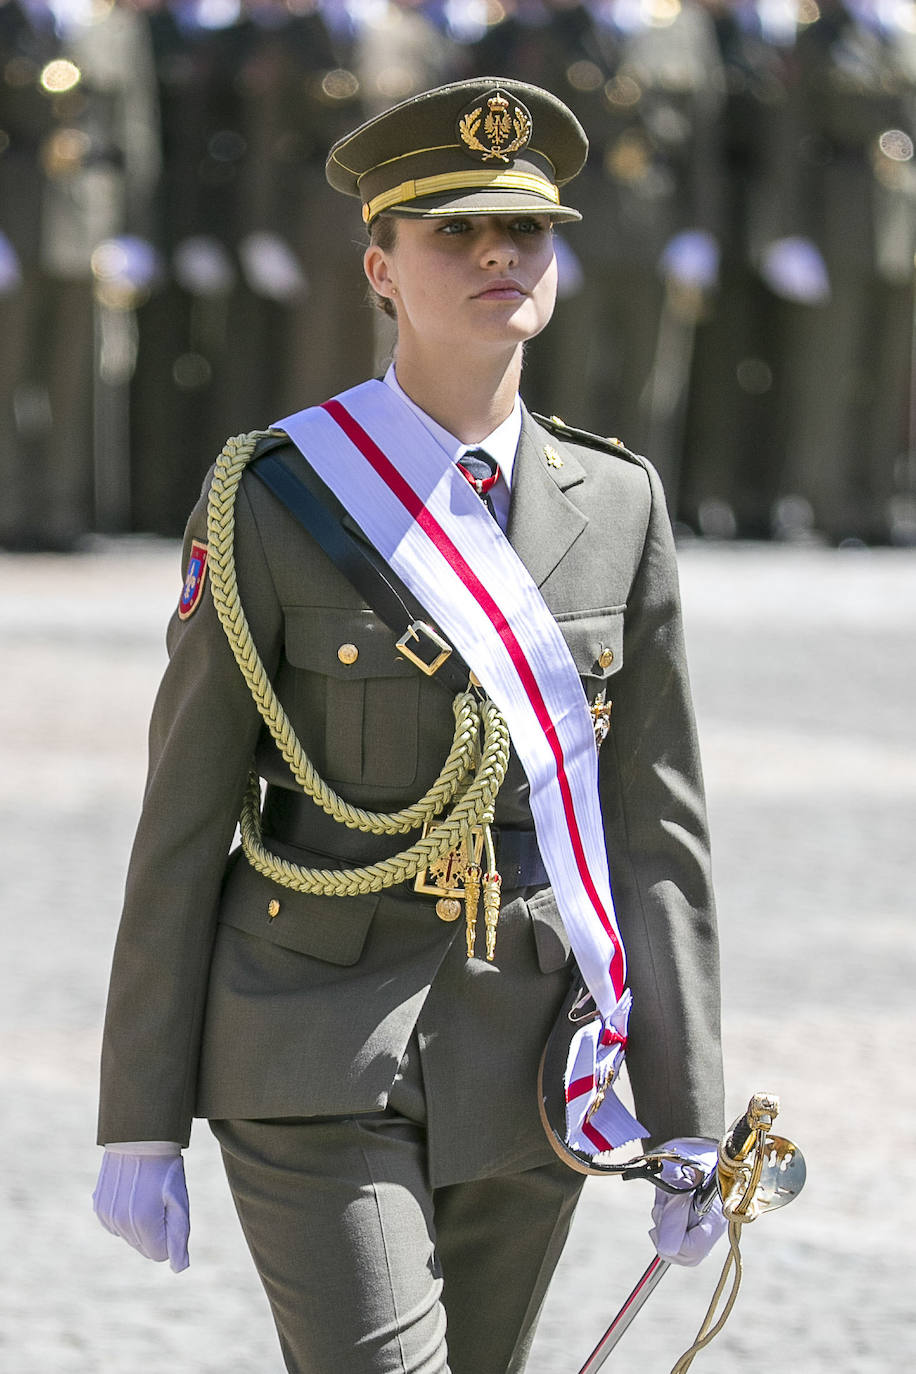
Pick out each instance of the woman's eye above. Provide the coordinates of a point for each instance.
(530, 226)
(454, 226)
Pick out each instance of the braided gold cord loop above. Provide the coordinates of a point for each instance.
(473, 772)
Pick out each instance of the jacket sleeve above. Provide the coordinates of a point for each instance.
(202, 741)
(655, 817)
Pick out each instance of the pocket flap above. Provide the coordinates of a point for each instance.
(346, 644)
(329, 928)
(595, 640)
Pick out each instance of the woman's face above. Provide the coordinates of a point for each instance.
(484, 280)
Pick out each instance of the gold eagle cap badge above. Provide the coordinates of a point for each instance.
(494, 127)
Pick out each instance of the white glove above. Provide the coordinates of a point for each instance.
(128, 260)
(679, 1233)
(10, 271)
(794, 269)
(271, 268)
(143, 1198)
(203, 266)
(691, 258)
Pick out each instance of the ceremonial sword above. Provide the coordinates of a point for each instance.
(630, 1309)
(749, 1184)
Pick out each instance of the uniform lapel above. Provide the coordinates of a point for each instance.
(543, 522)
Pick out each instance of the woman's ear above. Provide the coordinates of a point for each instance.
(377, 269)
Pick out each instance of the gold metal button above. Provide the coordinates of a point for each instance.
(273, 908)
(348, 653)
(448, 909)
(606, 658)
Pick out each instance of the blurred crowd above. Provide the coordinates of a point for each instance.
(738, 302)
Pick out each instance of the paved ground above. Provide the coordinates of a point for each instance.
(803, 663)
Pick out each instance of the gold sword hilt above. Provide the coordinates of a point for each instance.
(757, 1171)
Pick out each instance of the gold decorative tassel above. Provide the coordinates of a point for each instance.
(491, 885)
(471, 900)
(601, 1094)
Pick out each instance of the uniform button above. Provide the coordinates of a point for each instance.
(606, 658)
(273, 908)
(448, 909)
(348, 653)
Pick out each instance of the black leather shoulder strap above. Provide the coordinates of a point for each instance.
(310, 502)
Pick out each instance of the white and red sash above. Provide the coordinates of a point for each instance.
(424, 518)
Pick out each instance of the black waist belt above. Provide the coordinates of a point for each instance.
(518, 858)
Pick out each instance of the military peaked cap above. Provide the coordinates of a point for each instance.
(486, 146)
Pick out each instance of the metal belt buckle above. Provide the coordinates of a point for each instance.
(431, 649)
(445, 877)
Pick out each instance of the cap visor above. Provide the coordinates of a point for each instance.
(492, 203)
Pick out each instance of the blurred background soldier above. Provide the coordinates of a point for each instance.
(738, 301)
(28, 44)
(96, 165)
(735, 423)
(177, 415)
(262, 308)
(644, 78)
(280, 116)
(403, 47)
(846, 471)
(330, 326)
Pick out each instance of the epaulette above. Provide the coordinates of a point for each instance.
(270, 440)
(562, 430)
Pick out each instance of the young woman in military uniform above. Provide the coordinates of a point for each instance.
(368, 1063)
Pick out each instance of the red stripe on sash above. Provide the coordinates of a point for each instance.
(595, 1136)
(412, 503)
(579, 1086)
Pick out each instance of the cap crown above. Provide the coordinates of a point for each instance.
(489, 145)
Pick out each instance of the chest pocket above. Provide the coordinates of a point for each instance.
(348, 673)
(595, 640)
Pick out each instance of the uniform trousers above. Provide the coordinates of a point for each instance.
(368, 1269)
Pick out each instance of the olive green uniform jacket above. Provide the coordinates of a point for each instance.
(218, 1009)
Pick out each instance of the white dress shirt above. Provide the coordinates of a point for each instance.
(500, 445)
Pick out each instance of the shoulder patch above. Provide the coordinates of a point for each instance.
(194, 580)
(556, 426)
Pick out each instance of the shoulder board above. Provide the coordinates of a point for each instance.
(271, 439)
(556, 426)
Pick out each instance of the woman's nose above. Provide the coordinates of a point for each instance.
(500, 248)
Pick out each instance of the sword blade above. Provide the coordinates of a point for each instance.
(630, 1309)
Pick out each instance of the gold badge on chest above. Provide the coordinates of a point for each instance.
(600, 711)
(458, 880)
(445, 878)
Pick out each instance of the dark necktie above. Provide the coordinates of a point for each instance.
(482, 472)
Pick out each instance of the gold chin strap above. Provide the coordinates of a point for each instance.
(469, 781)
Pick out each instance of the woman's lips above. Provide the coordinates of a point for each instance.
(501, 291)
